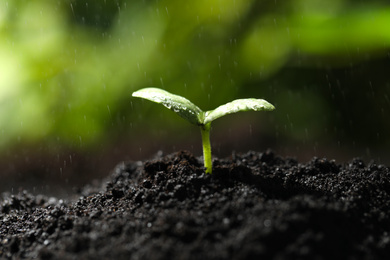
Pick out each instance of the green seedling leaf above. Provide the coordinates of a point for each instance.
(238, 105)
(187, 110)
(182, 106)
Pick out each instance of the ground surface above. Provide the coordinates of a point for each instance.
(254, 205)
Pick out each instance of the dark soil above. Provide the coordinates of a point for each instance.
(254, 206)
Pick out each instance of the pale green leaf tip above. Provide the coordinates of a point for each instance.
(270, 107)
(142, 91)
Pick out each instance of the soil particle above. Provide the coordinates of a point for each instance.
(254, 205)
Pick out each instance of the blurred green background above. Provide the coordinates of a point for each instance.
(68, 68)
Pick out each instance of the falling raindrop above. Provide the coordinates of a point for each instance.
(162, 82)
(109, 111)
(71, 7)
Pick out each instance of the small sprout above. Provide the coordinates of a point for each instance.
(187, 110)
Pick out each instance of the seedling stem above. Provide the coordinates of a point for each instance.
(205, 131)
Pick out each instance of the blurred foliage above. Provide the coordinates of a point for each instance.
(68, 67)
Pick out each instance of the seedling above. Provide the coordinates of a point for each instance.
(187, 110)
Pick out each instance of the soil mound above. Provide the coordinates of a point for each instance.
(253, 206)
